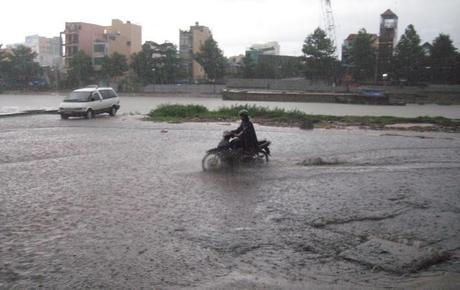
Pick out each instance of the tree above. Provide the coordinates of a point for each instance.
(249, 67)
(167, 66)
(114, 66)
(319, 56)
(3, 63)
(211, 59)
(443, 59)
(409, 59)
(158, 63)
(362, 56)
(18, 67)
(80, 71)
(3, 68)
(142, 64)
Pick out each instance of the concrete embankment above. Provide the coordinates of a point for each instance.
(308, 97)
(392, 98)
(308, 91)
(28, 112)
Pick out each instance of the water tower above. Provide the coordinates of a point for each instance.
(387, 41)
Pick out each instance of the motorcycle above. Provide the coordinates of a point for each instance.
(229, 152)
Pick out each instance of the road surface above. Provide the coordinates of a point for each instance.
(118, 203)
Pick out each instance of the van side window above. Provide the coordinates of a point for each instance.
(112, 94)
(106, 94)
(91, 96)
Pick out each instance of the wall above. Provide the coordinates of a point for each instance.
(442, 94)
(185, 89)
(282, 85)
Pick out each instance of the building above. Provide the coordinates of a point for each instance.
(348, 42)
(80, 36)
(123, 38)
(48, 50)
(234, 65)
(256, 50)
(387, 41)
(269, 48)
(99, 41)
(190, 43)
(272, 66)
(427, 48)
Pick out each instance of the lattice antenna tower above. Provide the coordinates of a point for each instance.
(328, 18)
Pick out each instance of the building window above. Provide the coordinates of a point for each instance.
(128, 43)
(99, 48)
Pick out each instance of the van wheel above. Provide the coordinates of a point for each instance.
(89, 114)
(64, 117)
(113, 111)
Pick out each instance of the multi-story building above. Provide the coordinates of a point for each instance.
(80, 36)
(269, 48)
(387, 41)
(99, 41)
(190, 43)
(348, 42)
(123, 38)
(48, 50)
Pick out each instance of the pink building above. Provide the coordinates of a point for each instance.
(98, 41)
(80, 36)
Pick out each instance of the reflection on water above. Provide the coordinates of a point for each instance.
(143, 104)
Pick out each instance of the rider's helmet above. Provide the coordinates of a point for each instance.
(244, 113)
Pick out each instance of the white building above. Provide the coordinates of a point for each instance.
(48, 50)
(270, 48)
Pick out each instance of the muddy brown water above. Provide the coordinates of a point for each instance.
(143, 104)
(117, 203)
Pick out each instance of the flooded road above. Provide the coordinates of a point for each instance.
(119, 203)
(143, 105)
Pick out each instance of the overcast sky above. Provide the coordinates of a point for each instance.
(236, 24)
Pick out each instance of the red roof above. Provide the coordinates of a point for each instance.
(352, 37)
(389, 13)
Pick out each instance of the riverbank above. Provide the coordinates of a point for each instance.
(396, 98)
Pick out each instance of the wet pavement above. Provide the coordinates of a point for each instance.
(120, 203)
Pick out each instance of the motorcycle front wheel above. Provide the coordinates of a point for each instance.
(211, 161)
(262, 156)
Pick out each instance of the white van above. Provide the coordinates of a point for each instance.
(88, 102)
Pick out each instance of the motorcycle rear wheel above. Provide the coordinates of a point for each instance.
(211, 161)
(262, 156)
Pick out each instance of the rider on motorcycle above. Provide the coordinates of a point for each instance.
(246, 134)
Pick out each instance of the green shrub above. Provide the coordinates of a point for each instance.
(179, 111)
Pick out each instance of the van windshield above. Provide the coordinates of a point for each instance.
(77, 97)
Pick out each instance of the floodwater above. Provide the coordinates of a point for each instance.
(119, 203)
(143, 105)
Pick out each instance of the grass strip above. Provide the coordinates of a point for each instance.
(277, 116)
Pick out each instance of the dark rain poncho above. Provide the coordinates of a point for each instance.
(248, 137)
